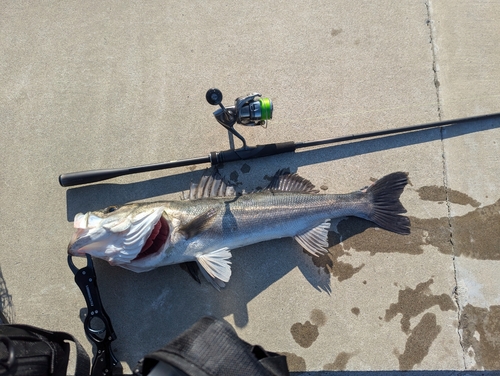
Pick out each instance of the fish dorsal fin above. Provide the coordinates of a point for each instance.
(315, 240)
(216, 267)
(286, 182)
(198, 224)
(211, 186)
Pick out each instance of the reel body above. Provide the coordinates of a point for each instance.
(249, 110)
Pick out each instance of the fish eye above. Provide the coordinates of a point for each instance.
(110, 209)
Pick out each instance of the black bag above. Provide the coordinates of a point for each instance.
(28, 350)
(212, 348)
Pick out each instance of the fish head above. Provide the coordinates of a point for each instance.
(133, 236)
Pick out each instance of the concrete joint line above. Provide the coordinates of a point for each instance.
(456, 296)
(435, 67)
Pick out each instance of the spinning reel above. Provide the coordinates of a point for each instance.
(249, 110)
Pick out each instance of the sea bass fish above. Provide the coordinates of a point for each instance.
(215, 220)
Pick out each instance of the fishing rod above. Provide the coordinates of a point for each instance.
(249, 110)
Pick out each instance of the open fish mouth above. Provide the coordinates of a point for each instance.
(156, 239)
(121, 238)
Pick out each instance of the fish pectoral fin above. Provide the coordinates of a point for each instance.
(216, 267)
(315, 240)
(198, 224)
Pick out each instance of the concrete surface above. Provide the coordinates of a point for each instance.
(116, 84)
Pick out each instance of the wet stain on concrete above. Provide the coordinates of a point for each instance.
(340, 362)
(432, 193)
(419, 341)
(234, 176)
(475, 235)
(435, 193)
(318, 317)
(481, 335)
(412, 302)
(245, 168)
(335, 32)
(329, 262)
(359, 234)
(295, 363)
(355, 310)
(304, 334)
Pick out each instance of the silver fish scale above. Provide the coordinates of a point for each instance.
(266, 215)
(294, 210)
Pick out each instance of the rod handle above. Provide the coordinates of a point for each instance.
(92, 176)
(258, 151)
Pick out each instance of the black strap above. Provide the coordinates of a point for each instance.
(273, 362)
(82, 358)
(212, 347)
(105, 362)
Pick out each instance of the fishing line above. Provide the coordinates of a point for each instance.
(384, 109)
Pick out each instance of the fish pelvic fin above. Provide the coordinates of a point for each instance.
(315, 240)
(216, 267)
(198, 224)
(386, 208)
(283, 181)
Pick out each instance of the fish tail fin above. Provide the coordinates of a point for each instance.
(386, 207)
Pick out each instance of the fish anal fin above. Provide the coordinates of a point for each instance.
(286, 182)
(315, 240)
(216, 266)
(198, 224)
